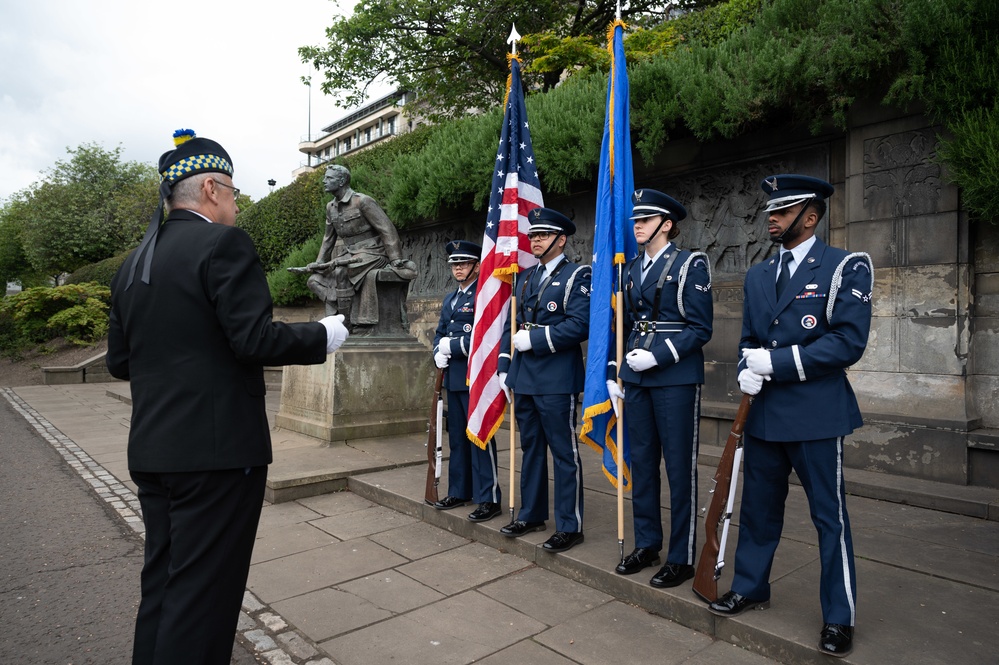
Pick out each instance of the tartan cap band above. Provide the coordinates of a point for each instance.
(196, 164)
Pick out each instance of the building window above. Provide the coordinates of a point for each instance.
(391, 125)
(367, 135)
(346, 144)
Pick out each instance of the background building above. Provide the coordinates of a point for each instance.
(380, 120)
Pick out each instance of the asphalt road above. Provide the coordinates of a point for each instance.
(69, 567)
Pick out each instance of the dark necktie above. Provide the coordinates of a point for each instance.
(784, 276)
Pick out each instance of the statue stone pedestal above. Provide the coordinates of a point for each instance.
(372, 386)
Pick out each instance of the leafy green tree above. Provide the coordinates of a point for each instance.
(85, 209)
(453, 53)
(14, 265)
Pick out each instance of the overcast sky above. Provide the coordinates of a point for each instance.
(129, 72)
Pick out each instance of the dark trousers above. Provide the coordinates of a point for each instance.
(548, 422)
(471, 471)
(819, 465)
(662, 424)
(200, 528)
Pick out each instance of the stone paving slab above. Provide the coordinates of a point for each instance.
(606, 633)
(314, 569)
(362, 522)
(462, 568)
(277, 541)
(457, 630)
(526, 651)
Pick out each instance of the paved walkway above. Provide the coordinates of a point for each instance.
(373, 575)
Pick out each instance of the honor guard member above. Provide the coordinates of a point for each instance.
(806, 318)
(668, 310)
(547, 375)
(471, 471)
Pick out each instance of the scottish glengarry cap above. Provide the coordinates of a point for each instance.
(788, 189)
(192, 155)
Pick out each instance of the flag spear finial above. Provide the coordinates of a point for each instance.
(513, 38)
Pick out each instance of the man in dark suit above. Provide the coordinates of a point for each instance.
(806, 318)
(668, 309)
(471, 471)
(547, 375)
(191, 329)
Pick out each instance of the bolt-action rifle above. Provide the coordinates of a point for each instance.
(435, 447)
(719, 516)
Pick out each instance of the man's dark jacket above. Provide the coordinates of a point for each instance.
(193, 342)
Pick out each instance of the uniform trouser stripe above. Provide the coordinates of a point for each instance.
(846, 553)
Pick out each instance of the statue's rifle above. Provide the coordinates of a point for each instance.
(435, 447)
(719, 516)
(322, 267)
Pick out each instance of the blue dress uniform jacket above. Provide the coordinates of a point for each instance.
(662, 404)
(685, 300)
(457, 316)
(546, 380)
(471, 472)
(817, 329)
(814, 331)
(561, 314)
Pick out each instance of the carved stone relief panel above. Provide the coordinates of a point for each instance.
(900, 178)
(426, 248)
(725, 209)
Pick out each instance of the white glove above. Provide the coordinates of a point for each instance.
(758, 361)
(444, 347)
(616, 393)
(336, 332)
(505, 388)
(440, 360)
(750, 382)
(522, 340)
(640, 360)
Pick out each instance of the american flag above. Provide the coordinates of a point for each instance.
(516, 190)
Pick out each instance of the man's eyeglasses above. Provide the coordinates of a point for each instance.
(540, 235)
(235, 190)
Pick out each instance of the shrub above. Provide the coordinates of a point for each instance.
(76, 312)
(289, 288)
(98, 273)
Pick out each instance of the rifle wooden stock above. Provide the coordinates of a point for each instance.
(707, 574)
(430, 494)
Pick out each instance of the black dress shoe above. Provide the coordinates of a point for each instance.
(449, 502)
(520, 527)
(836, 639)
(732, 604)
(641, 557)
(485, 512)
(563, 540)
(671, 575)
